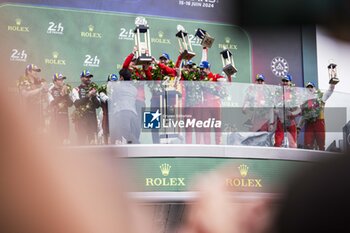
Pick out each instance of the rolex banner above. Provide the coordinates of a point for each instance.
(67, 41)
(179, 174)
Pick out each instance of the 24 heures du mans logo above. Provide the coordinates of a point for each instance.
(92, 61)
(91, 33)
(18, 55)
(55, 28)
(126, 34)
(55, 60)
(165, 181)
(18, 27)
(242, 181)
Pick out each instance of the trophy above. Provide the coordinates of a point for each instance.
(332, 72)
(143, 52)
(228, 63)
(184, 43)
(207, 40)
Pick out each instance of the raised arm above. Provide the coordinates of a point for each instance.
(328, 93)
(204, 54)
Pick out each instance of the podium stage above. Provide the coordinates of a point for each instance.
(161, 176)
(167, 172)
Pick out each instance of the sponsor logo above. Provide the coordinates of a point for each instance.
(165, 169)
(92, 61)
(55, 28)
(18, 55)
(91, 33)
(54, 60)
(194, 40)
(18, 27)
(242, 181)
(160, 39)
(165, 180)
(126, 34)
(227, 44)
(279, 66)
(243, 170)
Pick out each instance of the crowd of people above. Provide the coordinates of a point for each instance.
(51, 103)
(285, 110)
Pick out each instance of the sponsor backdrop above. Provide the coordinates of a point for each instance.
(67, 41)
(84, 27)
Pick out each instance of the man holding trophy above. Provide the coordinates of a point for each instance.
(59, 102)
(312, 112)
(211, 98)
(139, 74)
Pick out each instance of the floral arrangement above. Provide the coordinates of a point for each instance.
(157, 73)
(191, 75)
(311, 109)
(81, 111)
(92, 86)
(138, 74)
(66, 90)
(102, 88)
(24, 82)
(157, 86)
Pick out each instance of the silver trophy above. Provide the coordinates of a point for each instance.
(143, 52)
(184, 43)
(332, 72)
(207, 40)
(228, 62)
